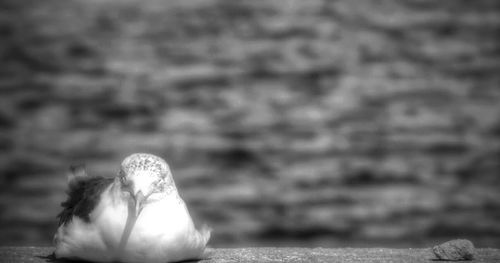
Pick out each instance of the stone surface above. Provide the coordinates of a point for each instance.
(458, 249)
(272, 254)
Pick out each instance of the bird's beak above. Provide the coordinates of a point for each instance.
(139, 199)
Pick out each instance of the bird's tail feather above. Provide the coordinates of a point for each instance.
(76, 173)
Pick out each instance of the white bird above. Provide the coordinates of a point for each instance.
(138, 216)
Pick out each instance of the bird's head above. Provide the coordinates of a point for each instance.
(143, 175)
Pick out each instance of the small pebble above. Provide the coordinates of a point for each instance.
(458, 249)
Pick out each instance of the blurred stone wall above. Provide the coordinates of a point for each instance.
(286, 122)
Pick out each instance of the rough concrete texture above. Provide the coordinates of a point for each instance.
(285, 122)
(271, 254)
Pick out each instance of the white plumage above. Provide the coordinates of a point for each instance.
(136, 217)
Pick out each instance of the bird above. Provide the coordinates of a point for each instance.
(137, 216)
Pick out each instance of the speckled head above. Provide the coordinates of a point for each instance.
(147, 173)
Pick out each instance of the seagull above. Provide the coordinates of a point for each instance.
(137, 216)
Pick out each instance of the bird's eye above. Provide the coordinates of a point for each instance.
(123, 180)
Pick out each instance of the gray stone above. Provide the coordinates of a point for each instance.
(458, 249)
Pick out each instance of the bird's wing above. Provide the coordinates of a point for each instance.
(83, 195)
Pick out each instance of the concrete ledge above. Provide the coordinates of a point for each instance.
(264, 254)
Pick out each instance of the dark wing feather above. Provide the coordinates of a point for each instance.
(83, 196)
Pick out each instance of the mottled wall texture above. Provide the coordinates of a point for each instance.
(286, 122)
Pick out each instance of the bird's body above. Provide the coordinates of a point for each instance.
(125, 224)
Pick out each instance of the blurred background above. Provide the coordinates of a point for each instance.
(286, 122)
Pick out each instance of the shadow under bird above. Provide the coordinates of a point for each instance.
(138, 216)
